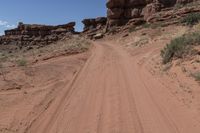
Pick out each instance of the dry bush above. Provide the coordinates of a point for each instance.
(180, 46)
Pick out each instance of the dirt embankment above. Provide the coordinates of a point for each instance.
(123, 87)
(31, 80)
(115, 92)
(178, 75)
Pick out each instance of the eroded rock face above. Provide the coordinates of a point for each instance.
(94, 23)
(93, 27)
(121, 11)
(33, 34)
(38, 30)
(185, 1)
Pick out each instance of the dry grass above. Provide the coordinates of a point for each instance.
(180, 46)
(66, 46)
(196, 76)
(21, 62)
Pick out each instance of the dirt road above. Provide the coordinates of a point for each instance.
(114, 93)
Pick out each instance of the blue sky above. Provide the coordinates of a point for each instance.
(48, 12)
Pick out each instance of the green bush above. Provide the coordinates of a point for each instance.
(132, 29)
(157, 25)
(180, 46)
(2, 72)
(197, 76)
(22, 62)
(191, 19)
(3, 57)
(178, 6)
(146, 25)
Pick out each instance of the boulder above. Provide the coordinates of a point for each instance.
(132, 13)
(151, 9)
(98, 36)
(115, 13)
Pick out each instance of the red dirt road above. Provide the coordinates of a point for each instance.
(115, 94)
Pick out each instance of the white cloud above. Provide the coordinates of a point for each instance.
(3, 23)
(10, 26)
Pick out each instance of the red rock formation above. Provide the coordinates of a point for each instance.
(34, 34)
(94, 23)
(121, 11)
(38, 30)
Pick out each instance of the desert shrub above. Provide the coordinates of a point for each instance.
(146, 25)
(191, 19)
(2, 72)
(22, 62)
(197, 76)
(180, 46)
(78, 46)
(3, 57)
(178, 6)
(132, 29)
(112, 30)
(157, 25)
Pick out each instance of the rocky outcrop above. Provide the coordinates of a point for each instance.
(39, 30)
(94, 26)
(94, 23)
(121, 11)
(169, 15)
(33, 34)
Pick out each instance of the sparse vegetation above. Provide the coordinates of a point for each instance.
(146, 25)
(112, 30)
(132, 29)
(178, 6)
(180, 46)
(167, 67)
(157, 25)
(22, 62)
(197, 76)
(191, 19)
(153, 25)
(3, 57)
(2, 72)
(78, 46)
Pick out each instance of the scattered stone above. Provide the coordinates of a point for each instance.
(98, 36)
(125, 35)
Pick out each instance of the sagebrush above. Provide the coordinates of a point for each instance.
(191, 19)
(180, 46)
(22, 62)
(197, 76)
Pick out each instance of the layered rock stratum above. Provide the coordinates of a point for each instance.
(121, 11)
(34, 34)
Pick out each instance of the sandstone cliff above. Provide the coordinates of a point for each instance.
(121, 11)
(34, 34)
(94, 23)
(94, 26)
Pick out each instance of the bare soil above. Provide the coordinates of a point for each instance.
(121, 88)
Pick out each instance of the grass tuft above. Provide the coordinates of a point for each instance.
(180, 46)
(191, 19)
(197, 76)
(22, 62)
